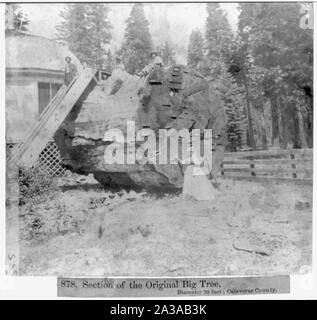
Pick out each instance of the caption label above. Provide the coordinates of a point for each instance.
(167, 287)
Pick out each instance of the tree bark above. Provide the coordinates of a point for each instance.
(263, 130)
(275, 129)
(250, 136)
(152, 105)
(302, 138)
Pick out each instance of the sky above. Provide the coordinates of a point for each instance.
(167, 21)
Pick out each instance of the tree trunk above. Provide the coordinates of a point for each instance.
(309, 121)
(250, 136)
(275, 129)
(82, 141)
(296, 139)
(301, 130)
(263, 126)
(281, 130)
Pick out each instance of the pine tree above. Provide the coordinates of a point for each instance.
(20, 21)
(278, 60)
(215, 66)
(219, 35)
(109, 64)
(195, 52)
(233, 95)
(236, 119)
(73, 29)
(167, 54)
(99, 29)
(86, 29)
(137, 43)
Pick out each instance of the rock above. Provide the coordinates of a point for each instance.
(155, 103)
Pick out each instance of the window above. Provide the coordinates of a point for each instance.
(46, 92)
(54, 88)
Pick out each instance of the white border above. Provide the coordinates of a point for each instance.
(302, 286)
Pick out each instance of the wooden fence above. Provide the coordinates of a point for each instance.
(288, 164)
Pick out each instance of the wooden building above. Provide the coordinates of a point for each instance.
(34, 73)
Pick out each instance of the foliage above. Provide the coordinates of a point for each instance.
(233, 95)
(20, 19)
(214, 65)
(36, 185)
(236, 119)
(275, 59)
(137, 43)
(109, 62)
(86, 29)
(167, 54)
(264, 71)
(219, 35)
(195, 52)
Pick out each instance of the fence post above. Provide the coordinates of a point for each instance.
(252, 167)
(293, 165)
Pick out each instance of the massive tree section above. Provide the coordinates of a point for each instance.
(172, 98)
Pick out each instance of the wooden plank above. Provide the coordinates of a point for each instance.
(45, 129)
(306, 175)
(176, 86)
(303, 156)
(258, 161)
(269, 179)
(238, 161)
(304, 161)
(177, 79)
(284, 162)
(272, 161)
(44, 115)
(263, 153)
(257, 170)
(308, 166)
(247, 169)
(269, 162)
(252, 167)
(234, 166)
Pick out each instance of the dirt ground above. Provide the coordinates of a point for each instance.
(251, 228)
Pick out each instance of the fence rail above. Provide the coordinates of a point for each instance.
(289, 164)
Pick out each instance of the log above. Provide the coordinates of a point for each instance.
(153, 103)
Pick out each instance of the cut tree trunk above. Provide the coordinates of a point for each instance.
(157, 102)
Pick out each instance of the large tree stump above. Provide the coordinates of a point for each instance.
(173, 98)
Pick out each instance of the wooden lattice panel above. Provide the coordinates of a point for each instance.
(10, 146)
(49, 159)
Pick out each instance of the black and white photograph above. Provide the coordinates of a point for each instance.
(160, 140)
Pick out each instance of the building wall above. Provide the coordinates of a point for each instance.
(21, 109)
(22, 102)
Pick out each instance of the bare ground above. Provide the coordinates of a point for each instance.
(251, 228)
